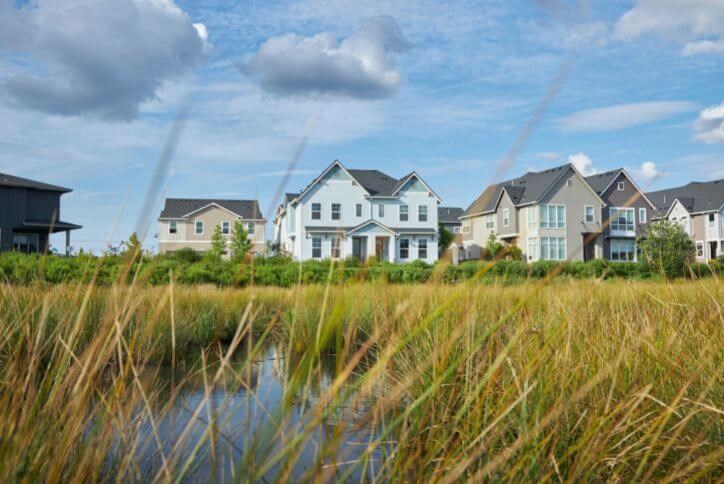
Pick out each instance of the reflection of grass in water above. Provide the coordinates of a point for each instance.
(582, 381)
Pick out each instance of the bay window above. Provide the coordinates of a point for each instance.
(623, 250)
(622, 219)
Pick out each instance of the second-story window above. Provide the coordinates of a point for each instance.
(316, 211)
(620, 186)
(336, 211)
(358, 209)
(466, 226)
(622, 219)
(380, 210)
(489, 222)
(172, 227)
(711, 220)
(588, 214)
(250, 228)
(226, 228)
(642, 215)
(199, 227)
(553, 216)
(506, 217)
(422, 213)
(404, 213)
(532, 212)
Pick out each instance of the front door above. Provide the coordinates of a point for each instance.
(382, 247)
(359, 248)
(589, 247)
(712, 249)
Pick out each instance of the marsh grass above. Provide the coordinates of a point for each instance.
(553, 380)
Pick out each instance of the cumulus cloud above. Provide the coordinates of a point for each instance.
(698, 22)
(583, 164)
(648, 172)
(709, 127)
(621, 116)
(360, 66)
(102, 57)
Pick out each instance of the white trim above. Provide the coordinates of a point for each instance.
(581, 177)
(506, 217)
(419, 213)
(633, 182)
(620, 186)
(399, 212)
(311, 210)
(203, 227)
(175, 227)
(619, 240)
(676, 200)
(406, 179)
(548, 220)
(703, 249)
(331, 210)
(222, 227)
(327, 170)
(593, 208)
(208, 241)
(370, 221)
(215, 205)
(644, 219)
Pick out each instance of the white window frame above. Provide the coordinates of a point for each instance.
(615, 224)
(711, 220)
(406, 255)
(314, 241)
(621, 186)
(338, 212)
(466, 226)
(422, 213)
(532, 248)
(642, 215)
(196, 227)
(553, 248)
(335, 247)
(405, 212)
(318, 205)
(506, 217)
(456, 229)
(250, 228)
(559, 222)
(173, 226)
(700, 248)
(532, 214)
(422, 246)
(585, 214)
(358, 209)
(381, 210)
(616, 244)
(226, 227)
(490, 221)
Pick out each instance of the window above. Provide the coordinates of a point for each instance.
(532, 248)
(404, 213)
(622, 219)
(422, 249)
(588, 214)
(711, 220)
(699, 248)
(642, 215)
(380, 210)
(569, 182)
(553, 216)
(225, 228)
(358, 210)
(199, 227)
(620, 186)
(532, 211)
(336, 211)
(316, 211)
(316, 248)
(456, 230)
(466, 226)
(489, 222)
(404, 248)
(506, 217)
(335, 248)
(623, 250)
(172, 227)
(422, 213)
(553, 248)
(250, 228)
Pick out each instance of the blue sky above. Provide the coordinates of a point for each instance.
(90, 89)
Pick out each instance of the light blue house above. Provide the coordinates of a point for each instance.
(360, 213)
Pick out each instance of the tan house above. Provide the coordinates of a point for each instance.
(190, 223)
(553, 214)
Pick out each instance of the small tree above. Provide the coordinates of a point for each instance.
(493, 246)
(666, 248)
(218, 244)
(446, 238)
(240, 243)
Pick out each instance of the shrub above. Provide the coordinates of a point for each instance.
(666, 248)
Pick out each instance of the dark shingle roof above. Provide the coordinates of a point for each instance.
(600, 181)
(449, 215)
(179, 207)
(522, 190)
(376, 182)
(290, 196)
(695, 196)
(17, 182)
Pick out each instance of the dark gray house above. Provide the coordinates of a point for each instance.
(449, 217)
(29, 213)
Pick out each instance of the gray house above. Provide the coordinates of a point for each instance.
(449, 217)
(29, 213)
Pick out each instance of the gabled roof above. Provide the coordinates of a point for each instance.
(17, 182)
(526, 189)
(696, 197)
(370, 222)
(600, 182)
(449, 215)
(183, 207)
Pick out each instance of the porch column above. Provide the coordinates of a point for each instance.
(371, 246)
(67, 242)
(391, 248)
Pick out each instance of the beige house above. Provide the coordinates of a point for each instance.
(551, 215)
(190, 223)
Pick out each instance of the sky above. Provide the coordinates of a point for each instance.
(94, 92)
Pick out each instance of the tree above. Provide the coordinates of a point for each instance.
(446, 238)
(240, 243)
(493, 246)
(218, 244)
(666, 248)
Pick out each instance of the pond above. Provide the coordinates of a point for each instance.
(253, 423)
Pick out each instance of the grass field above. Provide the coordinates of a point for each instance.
(565, 381)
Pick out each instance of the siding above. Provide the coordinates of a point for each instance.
(629, 197)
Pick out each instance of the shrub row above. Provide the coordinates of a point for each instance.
(18, 268)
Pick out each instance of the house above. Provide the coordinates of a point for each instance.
(449, 217)
(699, 208)
(190, 223)
(552, 214)
(625, 215)
(29, 213)
(360, 213)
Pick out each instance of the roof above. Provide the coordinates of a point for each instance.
(600, 181)
(290, 196)
(449, 215)
(17, 182)
(525, 189)
(376, 182)
(695, 196)
(57, 226)
(181, 207)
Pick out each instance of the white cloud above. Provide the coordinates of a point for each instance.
(703, 47)
(621, 116)
(102, 58)
(678, 20)
(359, 66)
(709, 127)
(583, 164)
(548, 156)
(648, 172)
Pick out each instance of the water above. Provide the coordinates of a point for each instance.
(251, 426)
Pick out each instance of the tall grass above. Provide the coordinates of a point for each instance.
(565, 381)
